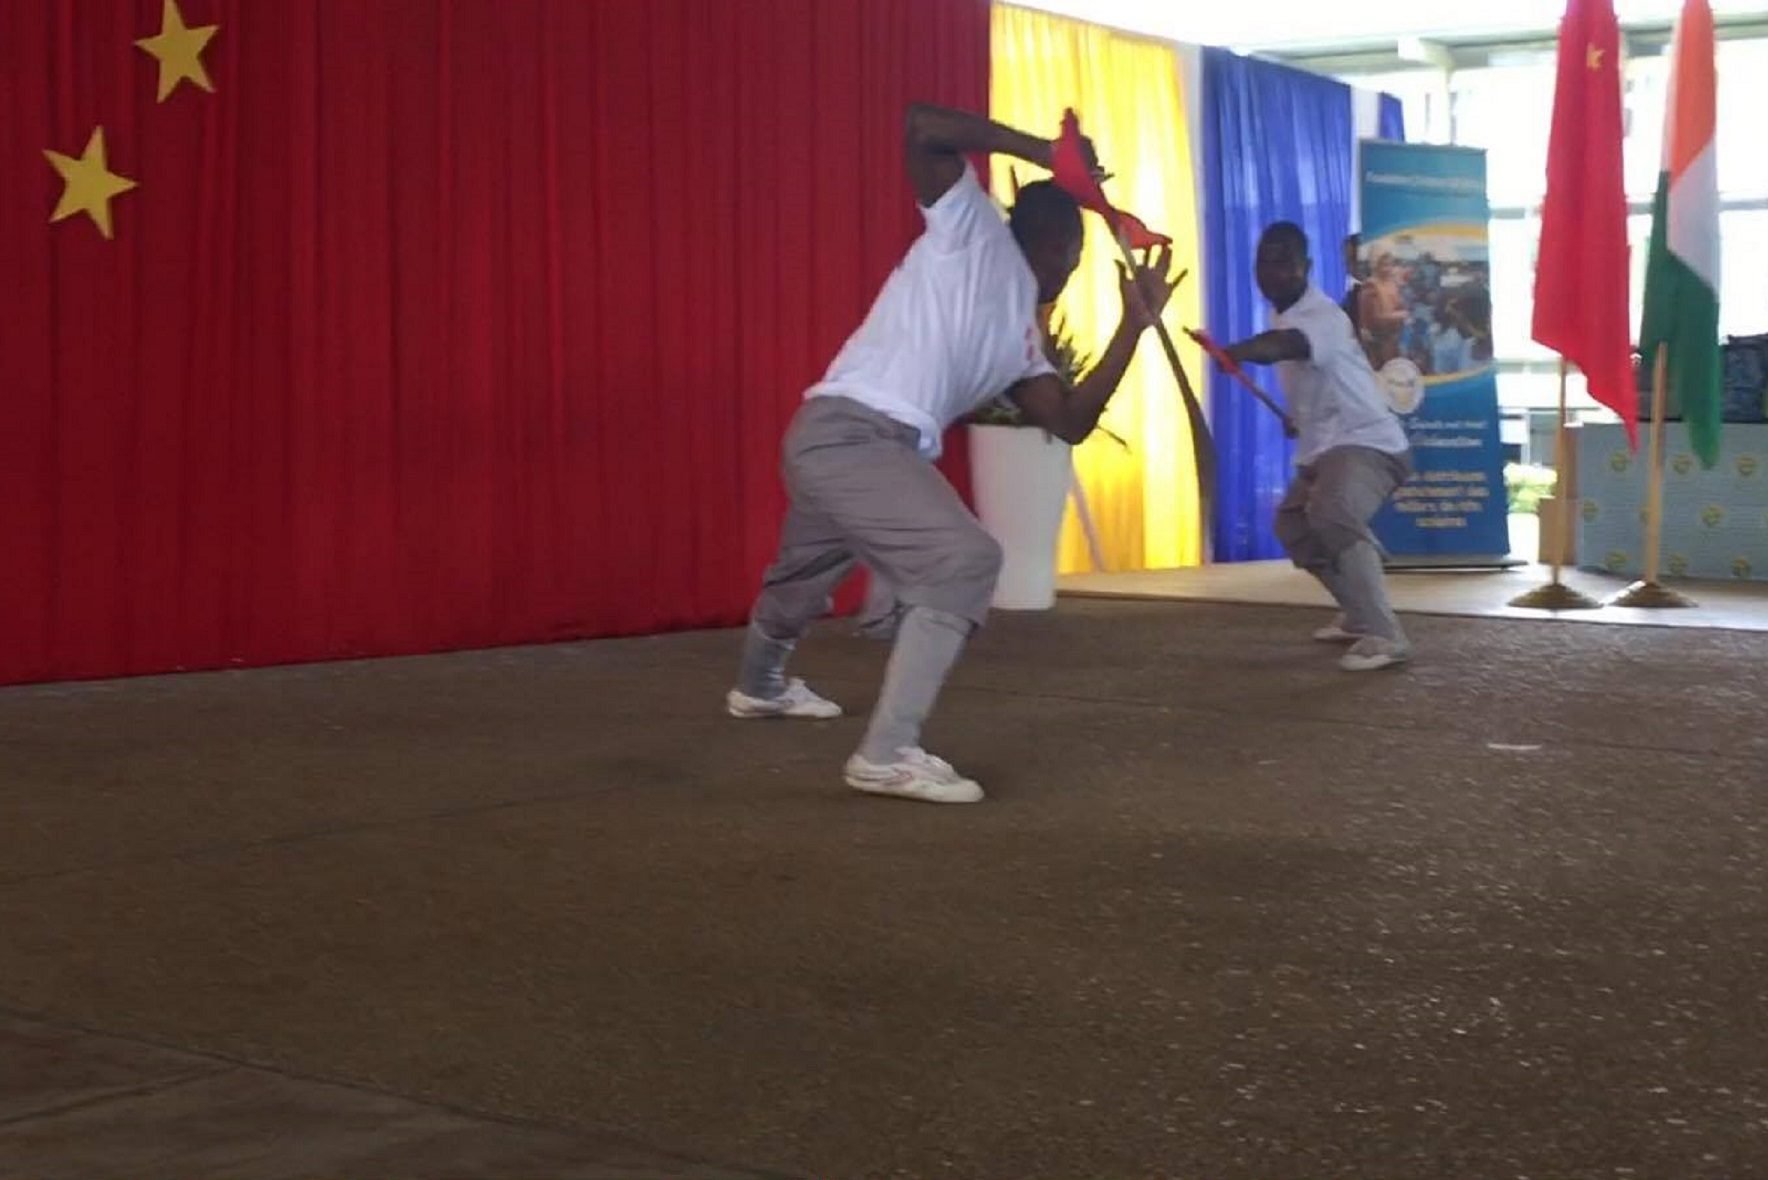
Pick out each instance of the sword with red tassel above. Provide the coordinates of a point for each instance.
(1070, 169)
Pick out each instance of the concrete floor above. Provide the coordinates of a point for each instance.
(1736, 606)
(1229, 913)
(76, 1105)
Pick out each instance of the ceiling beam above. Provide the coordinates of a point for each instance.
(1471, 52)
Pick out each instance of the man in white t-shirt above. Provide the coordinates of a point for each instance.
(955, 326)
(1351, 452)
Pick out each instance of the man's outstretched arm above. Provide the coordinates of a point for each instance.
(1267, 348)
(938, 138)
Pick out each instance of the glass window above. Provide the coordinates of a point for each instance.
(1743, 96)
(1642, 151)
(1423, 95)
(1638, 252)
(1504, 110)
(1743, 275)
(1514, 241)
(1743, 165)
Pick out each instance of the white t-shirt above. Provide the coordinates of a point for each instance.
(1334, 395)
(954, 327)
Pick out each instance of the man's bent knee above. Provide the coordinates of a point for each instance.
(972, 569)
(962, 581)
(1335, 530)
(979, 559)
(1297, 537)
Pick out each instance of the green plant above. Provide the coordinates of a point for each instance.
(1525, 484)
(1070, 363)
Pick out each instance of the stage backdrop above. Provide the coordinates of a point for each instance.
(1279, 145)
(438, 323)
(1127, 92)
(1427, 326)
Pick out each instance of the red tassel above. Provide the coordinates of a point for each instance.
(1069, 166)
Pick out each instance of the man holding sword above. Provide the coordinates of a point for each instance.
(1351, 451)
(954, 327)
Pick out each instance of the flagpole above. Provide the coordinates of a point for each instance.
(1647, 592)
(1555, 594)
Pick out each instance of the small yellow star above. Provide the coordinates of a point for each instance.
(90, 184)
(1592, 55)
(179, 50)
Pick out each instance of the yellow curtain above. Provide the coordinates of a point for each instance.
(1126, 91)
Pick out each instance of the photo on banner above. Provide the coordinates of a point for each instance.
(1424, 314)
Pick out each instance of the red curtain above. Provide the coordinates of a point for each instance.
(441, 323)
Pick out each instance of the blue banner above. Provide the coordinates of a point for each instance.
(1424, 303)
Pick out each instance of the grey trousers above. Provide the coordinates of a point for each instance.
(860, 490)
(1323, 524)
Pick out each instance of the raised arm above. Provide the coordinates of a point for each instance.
(936, 140)
(1267, 348)
(1071, 412)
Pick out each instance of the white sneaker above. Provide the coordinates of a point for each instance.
(918, 775)
(798, 701)
(1372, 652)
(1337, 632)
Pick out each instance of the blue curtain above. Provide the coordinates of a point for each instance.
(1279, 145)
(1393, 119)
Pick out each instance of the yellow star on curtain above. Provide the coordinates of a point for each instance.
(179, 51)
(89, 184)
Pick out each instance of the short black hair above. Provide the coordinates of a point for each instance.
(1287, 234)
(1043, 210)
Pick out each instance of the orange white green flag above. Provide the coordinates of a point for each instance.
(1682, 272)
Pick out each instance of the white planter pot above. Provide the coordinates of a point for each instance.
(1020, 477)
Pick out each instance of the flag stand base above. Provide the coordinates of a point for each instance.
(1650, 595)
(1555, 596)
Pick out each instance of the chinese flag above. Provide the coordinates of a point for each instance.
(1581, 278)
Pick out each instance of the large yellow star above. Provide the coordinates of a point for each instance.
(90, 184)
(179, 50)
(1592, 55)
